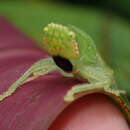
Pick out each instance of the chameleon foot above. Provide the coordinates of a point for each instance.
(69, 97)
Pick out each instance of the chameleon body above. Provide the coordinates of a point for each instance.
(74, 54)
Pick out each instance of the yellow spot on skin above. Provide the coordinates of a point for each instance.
(72, 34)
(45, 29)
(75, 48)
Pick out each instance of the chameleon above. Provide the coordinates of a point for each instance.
(73, 53)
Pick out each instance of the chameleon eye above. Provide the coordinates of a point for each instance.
(63, 63)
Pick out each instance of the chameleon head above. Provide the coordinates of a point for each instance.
(68, 46)
(59, 40)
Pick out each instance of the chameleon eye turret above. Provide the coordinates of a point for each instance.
(59, 40)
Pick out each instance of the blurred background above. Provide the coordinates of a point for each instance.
(108, 23)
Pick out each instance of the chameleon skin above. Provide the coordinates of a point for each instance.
(85, 59)
(74, 54)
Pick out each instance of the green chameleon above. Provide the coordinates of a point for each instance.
(73, 54)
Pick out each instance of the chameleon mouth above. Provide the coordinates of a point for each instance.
(63, 63)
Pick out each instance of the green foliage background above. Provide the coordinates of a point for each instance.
(110, 33)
